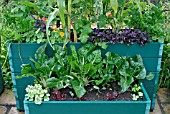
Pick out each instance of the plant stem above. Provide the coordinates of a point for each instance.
(69, 19)
(75, 35)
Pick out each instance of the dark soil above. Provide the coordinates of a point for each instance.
(96, 95)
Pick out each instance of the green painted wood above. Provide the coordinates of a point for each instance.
(151, 54)
(149, 50)
(153, 103)
(21, 81)
(1, 81)
(19, 89)
(90, 107)
(155, 66)
(19, 104)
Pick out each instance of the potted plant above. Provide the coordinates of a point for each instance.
(38, 25)
(83, 81)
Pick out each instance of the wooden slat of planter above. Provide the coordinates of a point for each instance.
(21, 81)
(149, 50)
(1, 81)
(19, 104)
(152, 82)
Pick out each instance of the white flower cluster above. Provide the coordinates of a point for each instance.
(37, 94)
(136, 97)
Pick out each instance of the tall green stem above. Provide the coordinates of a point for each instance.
(69, 19)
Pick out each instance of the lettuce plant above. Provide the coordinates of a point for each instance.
(37, 94)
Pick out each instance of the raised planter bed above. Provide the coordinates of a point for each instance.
(20, 53)
(1, 81)
(90, 107)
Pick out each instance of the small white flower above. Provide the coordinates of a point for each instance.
(45, 91)
(48, 94)
(140, 94)
(41, 95)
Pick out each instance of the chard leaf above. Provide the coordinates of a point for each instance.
(103, 45)
(40, 53)
(98, 82)
(125, 82)
(27, 70)
(60, 54)
(150, 76)
(51, 82)
(74, 52)
(83, 38)
(78, 88)
(60, 85)
(84, 52)
(142, 74)
(95, 57)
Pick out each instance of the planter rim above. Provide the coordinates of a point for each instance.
(81, 43)
(146, 100)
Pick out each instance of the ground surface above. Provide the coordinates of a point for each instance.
(7, 102)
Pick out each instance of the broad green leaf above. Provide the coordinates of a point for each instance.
(52, 82)
(61, 5)
(125, 82)
(98, 82)
(17, 15)
(74, 52)
(85, 50)
(139, 59)
(123, 72)
(103, 45)
(142, 74)
(83, 38)
(40, 51)
(49, 20)
(27, 69)
(60, 85)
(114, 5)
(95, 57)
(121, 2)
(76, 1)
(150, 76)
(33, 5)
(86, 30)
(139, 7)
(161, 39)
(78, 88)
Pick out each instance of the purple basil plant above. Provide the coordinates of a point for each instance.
(127, 36)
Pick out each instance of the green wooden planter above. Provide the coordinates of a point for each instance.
(20, 53)
(90, 107)
(1, 81)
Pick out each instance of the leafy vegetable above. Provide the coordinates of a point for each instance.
(84, 67)
(127, 36)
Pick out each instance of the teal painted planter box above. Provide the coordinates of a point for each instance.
(90, 107)
(1, 81)
(20, 53)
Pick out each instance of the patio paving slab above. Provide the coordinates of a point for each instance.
(7, 97)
